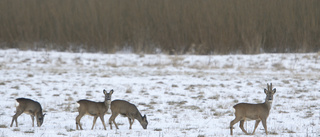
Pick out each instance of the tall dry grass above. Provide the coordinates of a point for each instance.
(171, 26)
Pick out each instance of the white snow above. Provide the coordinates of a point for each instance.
(183, 95)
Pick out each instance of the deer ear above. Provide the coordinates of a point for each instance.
(104, 91)
(111, 91)
(145, 117)
(265, 91)
(274, 90)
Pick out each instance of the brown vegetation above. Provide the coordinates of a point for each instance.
(176, 26)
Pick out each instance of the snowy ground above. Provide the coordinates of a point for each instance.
(184, 95)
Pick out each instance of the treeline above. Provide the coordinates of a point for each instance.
(166, 26)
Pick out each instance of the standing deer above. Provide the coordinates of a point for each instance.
(95, 109)
(258, 112)
(31, 107)
(129, 110)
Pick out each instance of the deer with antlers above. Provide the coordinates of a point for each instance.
(257, 112)
(95, 109)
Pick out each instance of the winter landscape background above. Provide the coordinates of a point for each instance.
(182, 95)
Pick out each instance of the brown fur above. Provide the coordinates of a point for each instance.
(95, 109)
(258, 112)
(31, 107)
(128, 110)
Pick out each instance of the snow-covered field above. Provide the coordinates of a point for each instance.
(183, 95)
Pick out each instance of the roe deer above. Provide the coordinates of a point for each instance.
(258, 112)
(128, 110)
(95, 109)
(31, 107)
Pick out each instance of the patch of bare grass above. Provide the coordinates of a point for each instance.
(29, 131)
(16, 87)
(176, 103)
(278, 66)
(157, 129)
(272, 133)
(3, 126)
(14, 94)
(192, 107)
(69, 129)
(308, 114)
(228, 66)
(61, 134)
(153, 102)
(129, 90)
(56, 95)
(89, 93)
(176, 60)
(174, 86)
(216, 97)
(290, 131)
(16, 129)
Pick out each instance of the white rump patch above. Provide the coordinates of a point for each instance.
(78, 105)
(17, 103)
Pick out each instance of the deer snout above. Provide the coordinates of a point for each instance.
(144, 127)
(39, 122)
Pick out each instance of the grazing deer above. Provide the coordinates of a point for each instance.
(258, 112)
(126, 109)
(31, 107)
(95, 109)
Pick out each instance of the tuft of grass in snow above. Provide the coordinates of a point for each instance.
(228, 66)
(69, 129)
(16, 87)
(61, 134)
(278, 66)
(29, 131)
(16, 129)
(3, 126)
(157, 129)
(272, 133)
(129, 89)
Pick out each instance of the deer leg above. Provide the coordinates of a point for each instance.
(37, 120)
(232, 123)
(110, 122)
(102, 120)
(241, 126)
(114, 122)
(78, 118)
(255, 126)
(264, 123)
(32, 117)
(15, 118)
(112, 119)
(130, 123)
(94, 121)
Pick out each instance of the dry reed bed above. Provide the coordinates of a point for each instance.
(175, 27)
